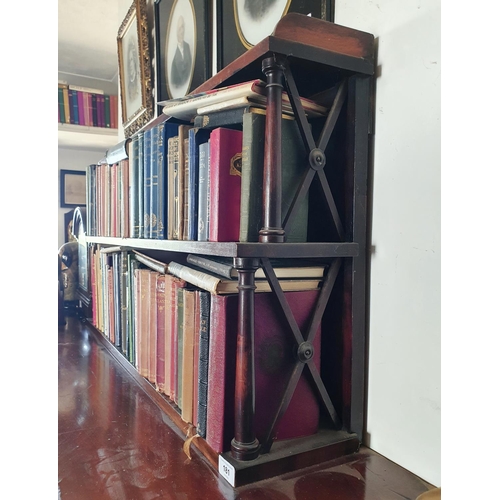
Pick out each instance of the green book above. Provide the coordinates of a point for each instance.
(294, 163)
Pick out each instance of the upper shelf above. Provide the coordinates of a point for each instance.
(82, 137)
(236, 249)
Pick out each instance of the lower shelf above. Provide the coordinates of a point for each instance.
(285, 456)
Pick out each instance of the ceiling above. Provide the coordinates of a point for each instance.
(87, 44)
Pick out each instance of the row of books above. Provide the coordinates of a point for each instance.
(86, 106)
(197, 183)
(182, 339)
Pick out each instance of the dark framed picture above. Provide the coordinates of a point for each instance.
(183, 54)
(134, 64)
(241, 24)
(73, 185)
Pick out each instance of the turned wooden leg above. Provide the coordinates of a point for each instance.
(272, 232)
(245, 446)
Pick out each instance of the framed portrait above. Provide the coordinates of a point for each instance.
(134, 65)
(241, 24)
(73, 185)
(183, 55)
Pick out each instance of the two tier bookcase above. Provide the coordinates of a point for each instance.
(311, 58)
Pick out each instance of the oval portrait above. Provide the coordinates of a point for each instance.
(180, 49)
(256, 19)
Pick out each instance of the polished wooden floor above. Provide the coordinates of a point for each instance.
(116, 443)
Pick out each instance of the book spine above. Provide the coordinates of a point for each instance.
(67, 105)
(188, 355)
(221, 369)
(219, 268)
(222, 118)
(125, 200)
(100, 110)
(197, 278)
(140, 184)
(160, 203)
(203, 191)
(93, 104)
(152, 328)
(176, 285)
(147, 183)
(133, 182)
(123, 262)
(185, 196)
(153, 202)
(173, 165)
(60, 103)
(107, 111)
(196, 356)
(225, 184)
(160, 333)
(204, 335)
(252, 161)
(81, 108)
(179, 346)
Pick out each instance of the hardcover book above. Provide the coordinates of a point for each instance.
(283, 268)
(195, 137)
(204, 339)
(153, 200)
(203, 190)
(274, 362)
(225, 184)
(220, 286)
(188, 354)
(160, 333)
(186, 107)
(294, 163)
(173, 171)
(134, 187)
(147, 182)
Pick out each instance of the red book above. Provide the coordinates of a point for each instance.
(225, 184)
(81, 108)
(274, 362)
(113, 99)
(160, 333)
(152, 327)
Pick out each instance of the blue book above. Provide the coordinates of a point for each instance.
(165, 131)
(203, 190)
(153, 189)
(133, 182)
(147, 183)
(196, 136)
(140, 184)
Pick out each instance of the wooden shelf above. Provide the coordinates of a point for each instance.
(83, 137)
(236, 249)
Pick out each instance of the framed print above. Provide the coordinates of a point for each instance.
(73, 185)
(183, 55)
(134, 66)
(241, 24)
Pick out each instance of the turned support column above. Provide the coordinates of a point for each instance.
(245, 446)
(272, 232)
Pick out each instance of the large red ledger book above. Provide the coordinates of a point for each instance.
(225, 184)
(274, 361)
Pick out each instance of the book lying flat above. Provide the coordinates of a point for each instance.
(220, 286)
(282, 268)
(186, 107)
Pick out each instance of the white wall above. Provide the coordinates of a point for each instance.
(404, 386)
(72, 159)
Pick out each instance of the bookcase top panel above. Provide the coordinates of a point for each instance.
(318, 48)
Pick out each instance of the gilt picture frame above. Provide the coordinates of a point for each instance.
(183, 48)
(134, 64)
(241, 24)
(73, 188)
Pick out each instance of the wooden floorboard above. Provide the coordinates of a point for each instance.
(116, 443)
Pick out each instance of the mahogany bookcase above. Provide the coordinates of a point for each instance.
(335, 65)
